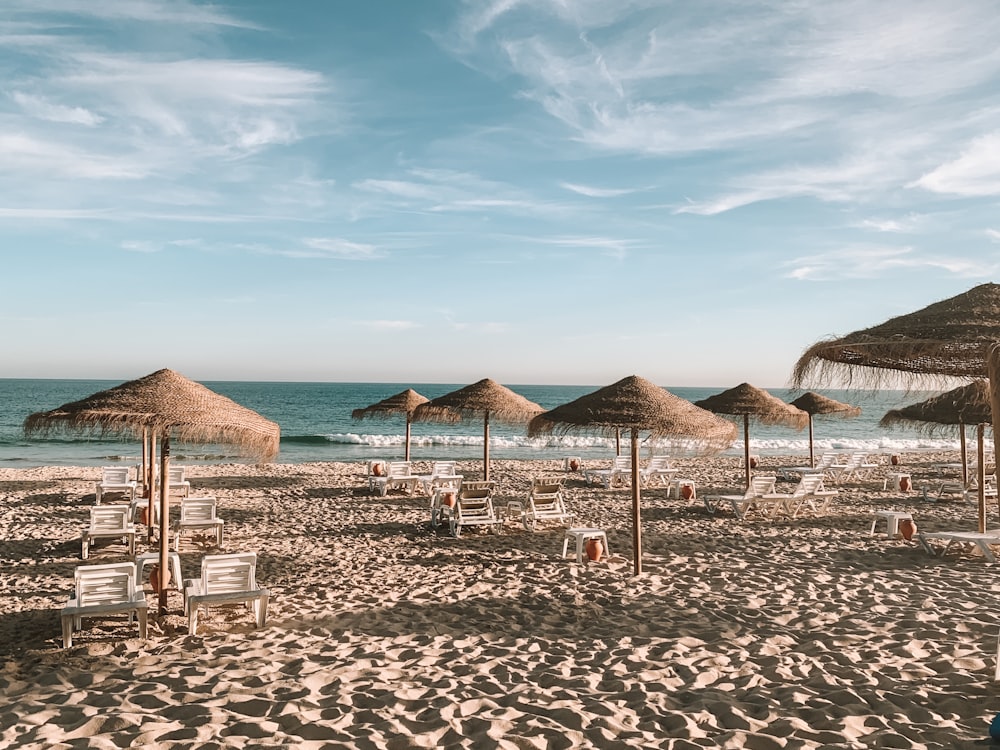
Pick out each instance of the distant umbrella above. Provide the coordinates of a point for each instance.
(168, 404)
(953, 338)
(637, 405)
(485, 399)
(748, 401)
(965, 405)
(404, 403)
(813, 403)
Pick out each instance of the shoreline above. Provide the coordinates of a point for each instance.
(785, 633)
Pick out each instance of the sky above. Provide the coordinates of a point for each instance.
(534, 191)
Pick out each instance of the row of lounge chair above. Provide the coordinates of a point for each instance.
(809, 495)
(118, 522)
(471, 504)
(118, 480)
(113, 588)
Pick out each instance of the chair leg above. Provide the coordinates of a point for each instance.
(67, 632)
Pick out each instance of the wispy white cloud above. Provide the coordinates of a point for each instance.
(616, 248)
(902, 225)
(391, 325)
(334, 247)
(179, 12)
(37, 106)
(993, 234)
(595, 192)
(975, 172)
(873, 261)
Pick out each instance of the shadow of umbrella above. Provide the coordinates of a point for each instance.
(965, 405)
(637, 405)
(404, 403)
(485, 399)
(954, 338)
(167, 404)
(748, 401)
(815, 404)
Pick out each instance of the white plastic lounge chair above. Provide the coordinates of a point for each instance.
(743, 504)
(103, 590)
(398, 475)
(545, 502)
(443, 497)
(225, 579)
(176, 483)
(109, 522)
(809, 494)
(473, 507)
(822, 467)
(657, 471)
(198, 514)
(443, 473)
(115, 479)
(983, 541)
(619, 473)
(856, 467)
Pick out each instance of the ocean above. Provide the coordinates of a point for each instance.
(316, 425)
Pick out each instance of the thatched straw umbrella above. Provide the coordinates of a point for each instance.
(953, 338)
(749, 401)
(402, 403)
(637, 405)
(486, 399)
(965, 405)
(166, 404)
(814, 403)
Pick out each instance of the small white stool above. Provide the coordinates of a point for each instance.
(153, 558)
(674, 489)
(892, 519)
(581, 536)
(894, 478)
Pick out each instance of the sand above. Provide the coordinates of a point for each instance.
(385, 633)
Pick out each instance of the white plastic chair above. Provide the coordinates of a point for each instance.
(473, 507)
(115, 479)
(225, 579)
(398, 475)
(545, 502)
(748, 501)
(109, 522)
(103, 590)
(198, 513)
(658, 470)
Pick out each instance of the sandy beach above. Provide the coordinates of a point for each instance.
(385, 633)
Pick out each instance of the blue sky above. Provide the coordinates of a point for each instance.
(536, 191)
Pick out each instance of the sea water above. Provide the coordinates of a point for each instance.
(316, 425)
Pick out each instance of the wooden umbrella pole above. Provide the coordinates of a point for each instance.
(145, 462)
(164, 521)
(965, 456)
(407, 437)
(618, 441)
(486, 446)
(746, 448)
(812, 453)
(993, 368)
(981, 476)
(151, 486)
(636, 516)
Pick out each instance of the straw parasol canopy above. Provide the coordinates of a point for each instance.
(485, 399)
(404, 403)
(965, 405)
(749, 401)
(637, 405)
(953, 338)
(946, 339)
(168, 404)
(813, 404)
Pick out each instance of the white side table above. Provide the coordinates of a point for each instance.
(894, 480)
(153, 558)
(892, 519)
(674, 490)
(581, 536)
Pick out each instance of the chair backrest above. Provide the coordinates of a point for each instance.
(113, 583)
(114, 475)
(443, 468)
(223, 574)
(546, 488)
(476, 490)
(198, 509)
(109, 517)
(809, 484)
(759, 486)
(658, 463)
(622, 463)
(397, 469)
(175, 474)
(826, 461)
